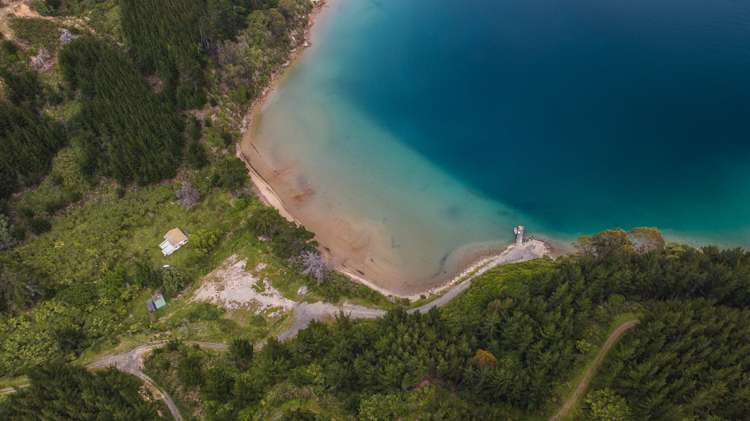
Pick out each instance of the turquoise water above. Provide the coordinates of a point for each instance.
(444, 123)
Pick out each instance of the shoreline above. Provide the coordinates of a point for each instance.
(470, 260)
(267, 194)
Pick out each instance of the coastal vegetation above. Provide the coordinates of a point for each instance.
(509, 346)
(130, 134)
(66, 392)
(172, 39)
(84, 140)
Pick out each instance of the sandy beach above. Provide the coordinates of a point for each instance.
(359, 248)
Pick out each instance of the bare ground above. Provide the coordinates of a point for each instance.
(232, 286)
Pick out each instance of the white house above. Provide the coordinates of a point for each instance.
(173, 240)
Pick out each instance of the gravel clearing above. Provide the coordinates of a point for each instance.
(232, 287)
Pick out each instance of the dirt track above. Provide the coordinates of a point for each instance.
(573, 399)
(131, 362)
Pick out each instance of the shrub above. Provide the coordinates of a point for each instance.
(195, 155)
(173, 281)
(205, 241)
(6, 233)
(39, 225)
(230, 174)
(189, 370)
(8, 47)
(288, 239)
(606, 405)
(188, 195)
(204, 311)
(241, 353)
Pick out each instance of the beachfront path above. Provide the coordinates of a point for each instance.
(580, 389)
(304, 313)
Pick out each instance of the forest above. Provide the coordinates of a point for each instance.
(500, 351)
(97, 143)
(172, 39)
(131, 133)
(687, 359)
(504, 347)
(176, 55)
(60, 392)
(29, 138)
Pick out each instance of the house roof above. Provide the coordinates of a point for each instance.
(159, 301)
(175, 236)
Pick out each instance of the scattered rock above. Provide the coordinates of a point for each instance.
(302, 290)
(66, 36)
(42, 62)
(188, 195)
(232, 287)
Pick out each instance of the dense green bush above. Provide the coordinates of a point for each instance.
(6, 233)
(171, 38)
(39, 225)
(288, 239)
(686, 360)
(510, 342)
(28, 142)
(20, 285)
(133, 135)
(230, 174)
(67, 392)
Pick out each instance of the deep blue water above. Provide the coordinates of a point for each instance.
(631, 112)
(422, 131)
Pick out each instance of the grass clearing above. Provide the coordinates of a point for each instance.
(13, 381)
(37, 32)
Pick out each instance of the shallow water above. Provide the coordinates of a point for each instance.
(432, 124)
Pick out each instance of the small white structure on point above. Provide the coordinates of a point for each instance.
(518, 231)
(173, 240)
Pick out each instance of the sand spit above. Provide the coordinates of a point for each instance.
(529, 250)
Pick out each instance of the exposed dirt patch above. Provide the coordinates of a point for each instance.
(14, 8)
(232, 286)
